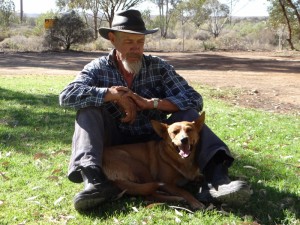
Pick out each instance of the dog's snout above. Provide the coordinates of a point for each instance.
(184, 140)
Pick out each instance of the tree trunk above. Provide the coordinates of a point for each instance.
(295, 10)
(96, 25)
(288, 24)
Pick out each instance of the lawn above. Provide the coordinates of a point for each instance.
(35, 142)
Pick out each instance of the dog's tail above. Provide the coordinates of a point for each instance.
(138, 189)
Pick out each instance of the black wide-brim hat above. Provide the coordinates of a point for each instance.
(128, 21)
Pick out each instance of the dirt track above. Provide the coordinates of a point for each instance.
(269, 81)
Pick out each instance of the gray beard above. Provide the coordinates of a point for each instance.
(133, 67)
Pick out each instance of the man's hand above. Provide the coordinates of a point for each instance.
(129, 108)
(148, 104)
(141, 103)
(119, 95)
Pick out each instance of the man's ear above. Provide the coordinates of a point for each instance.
(160, 128)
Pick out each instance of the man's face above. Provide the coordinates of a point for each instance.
(129, 50)
(130, 47)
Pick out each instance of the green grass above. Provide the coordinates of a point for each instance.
(35, 142)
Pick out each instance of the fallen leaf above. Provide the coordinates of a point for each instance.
(63, 152)
(154, 205)
(36, 188)
(32, 198)
(286, 157)
(59, 200)
(39, 156)
(53, 178)
(250, 167)
(5, 164)
(178, 207)
(116, 221)
(3, 175)
(135, 209)
(120, 195)
(57, 171)
(177, 220)
(178, 213)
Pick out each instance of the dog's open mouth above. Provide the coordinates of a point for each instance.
(184, 150)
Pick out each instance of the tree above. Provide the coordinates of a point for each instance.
(7, 8)
(166, 8)
(67, 30)
(286, 14)
(187, 11)
(218, 16)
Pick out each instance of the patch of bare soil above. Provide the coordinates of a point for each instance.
(264, 80)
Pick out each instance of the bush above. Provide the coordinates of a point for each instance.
(68, 30)
(22, 43)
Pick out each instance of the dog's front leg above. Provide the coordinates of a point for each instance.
(176, 191)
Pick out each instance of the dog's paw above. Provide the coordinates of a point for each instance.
(197, 205)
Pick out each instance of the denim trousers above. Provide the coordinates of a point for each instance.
(96, 128)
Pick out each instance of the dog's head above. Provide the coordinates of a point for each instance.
(183, 136)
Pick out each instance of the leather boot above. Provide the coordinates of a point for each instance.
(218, 187)
(97, 189)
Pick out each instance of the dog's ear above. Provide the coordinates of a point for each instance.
(160, 128)
(199, 122)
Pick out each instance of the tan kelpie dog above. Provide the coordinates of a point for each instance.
(153, 167)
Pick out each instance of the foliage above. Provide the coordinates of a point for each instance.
(166, 12)
(7, 8)
(218, 16)
(285, 18)
(39, 28)
(69, 29)
(35, 142)
(22, 43)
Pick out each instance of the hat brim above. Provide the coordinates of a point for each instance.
(103, 31)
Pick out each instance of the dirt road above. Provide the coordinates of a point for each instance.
(268, 81)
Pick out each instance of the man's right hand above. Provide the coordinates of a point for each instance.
(118, 95)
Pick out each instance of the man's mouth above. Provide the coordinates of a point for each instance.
(133, 56)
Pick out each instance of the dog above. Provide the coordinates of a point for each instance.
(158, 168)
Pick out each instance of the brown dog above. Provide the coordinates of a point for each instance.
(165, 165)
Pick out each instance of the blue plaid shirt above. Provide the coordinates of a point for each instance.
(157, 79)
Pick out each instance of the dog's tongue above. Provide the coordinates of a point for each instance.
(184, 151)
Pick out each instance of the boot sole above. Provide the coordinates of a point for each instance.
(83, 202)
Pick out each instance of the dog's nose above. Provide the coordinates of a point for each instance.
(184, 140)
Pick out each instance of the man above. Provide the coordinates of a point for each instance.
(116, 97)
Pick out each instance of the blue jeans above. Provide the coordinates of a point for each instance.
(95, 128)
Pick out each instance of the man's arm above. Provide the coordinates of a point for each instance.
(149, 104)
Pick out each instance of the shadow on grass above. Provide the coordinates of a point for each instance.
(266, 206)
(29, 120)
(269, 205)
(35, 119)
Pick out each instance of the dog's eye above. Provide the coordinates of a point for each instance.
(175, 132)
(189, 129)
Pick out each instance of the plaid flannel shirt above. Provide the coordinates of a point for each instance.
(157, 79)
